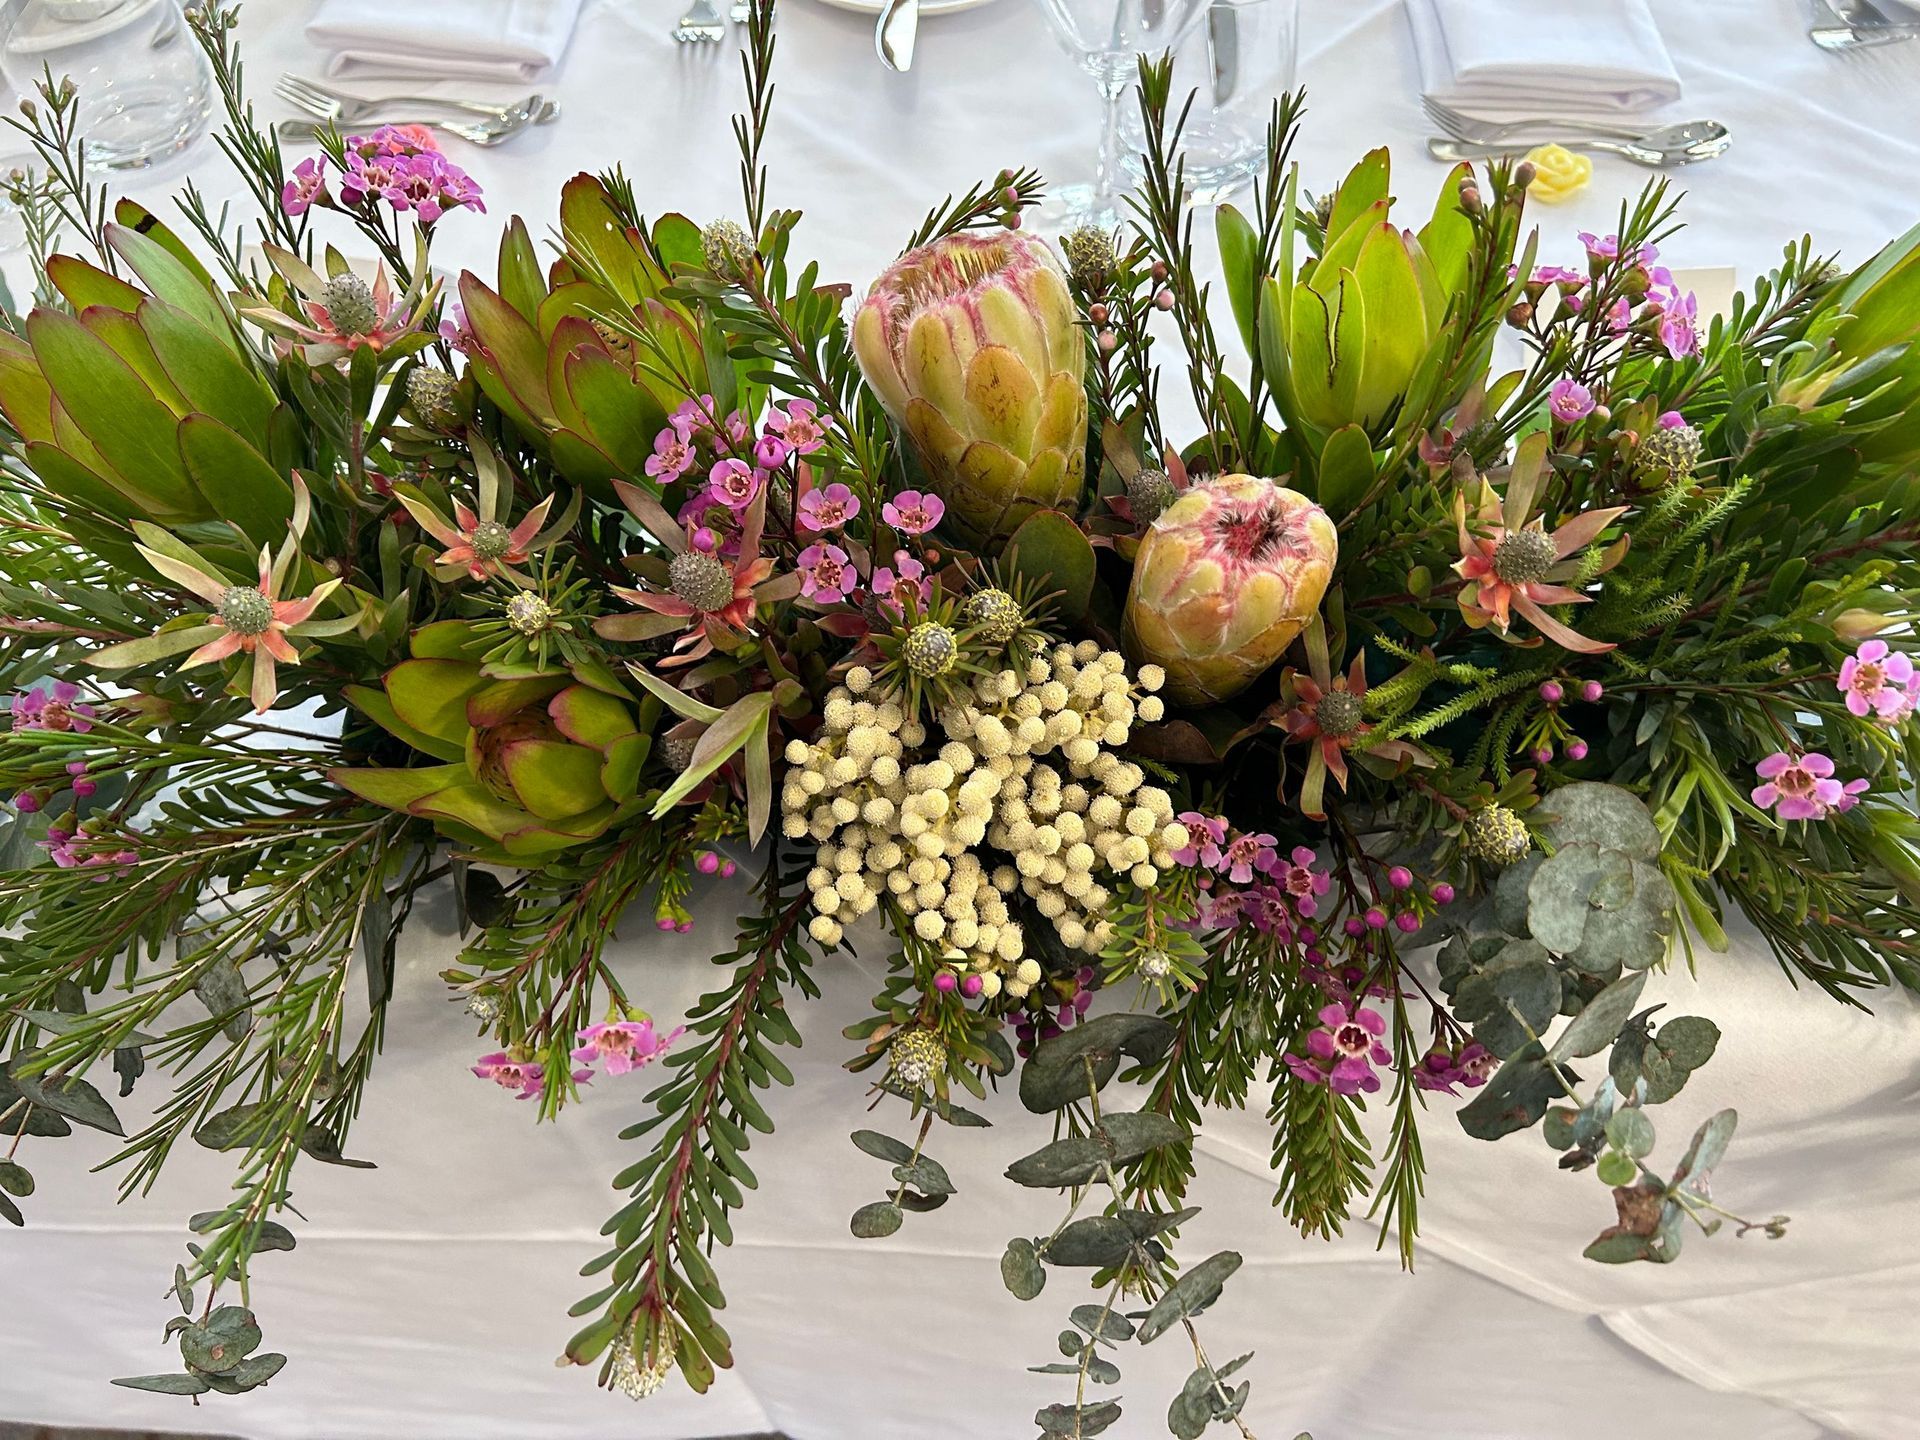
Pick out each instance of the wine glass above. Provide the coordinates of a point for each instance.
(1107, 38)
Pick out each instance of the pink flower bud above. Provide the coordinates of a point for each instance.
(945, 981)
(971, 986)
(1592, 691)
(1551, 692)
(1399, 877)
(706, 862)
(728, 869)
(1577, 750)
(683, 927)
(1442, 894)
(1543, 755)
(1407, 921)
(1376, 918)
(1355, 926)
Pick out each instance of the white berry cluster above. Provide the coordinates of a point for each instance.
(1027, 766)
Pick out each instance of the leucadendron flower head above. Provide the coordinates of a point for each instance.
(1225, 579)
(972, 345)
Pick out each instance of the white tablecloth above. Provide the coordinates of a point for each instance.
(427, 1298)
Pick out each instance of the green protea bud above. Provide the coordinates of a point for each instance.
(349, 305)
(1524, 556)
(1089, 252)
(727, 249)
(491, 540)
(1150, 492)
(1155, 965)
(995, 614)
(1338, 713)
(917, 1058)
(431, 393)
(702, 581)
(1497, 835)
(527, 613)
(931, 650)
(245, 611)
(1666, 456)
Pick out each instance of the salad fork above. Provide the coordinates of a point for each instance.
(1855, 25)
(701, 24)
(1475, 130)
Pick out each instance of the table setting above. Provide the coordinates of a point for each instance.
(820, 718)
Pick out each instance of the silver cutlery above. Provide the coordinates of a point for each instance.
(894, 33)
(700, 25)
(1657, 149)
(1223, 51)
(485, 133)
(1857, 25)
(740, 12)
(326, 103)
(1475, 131)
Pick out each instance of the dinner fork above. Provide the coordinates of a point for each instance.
(485, 133)
(327, 103)
(1473, 129)
(1855, 25)
(700, 24)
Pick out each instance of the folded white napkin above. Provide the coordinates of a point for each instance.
(504, 40)
(1521, 58)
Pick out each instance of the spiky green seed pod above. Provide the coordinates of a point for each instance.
(1524, 556)
(1666, 455)
(916, 1058)
(727, 249)
(245, 611)
(1497, 835)
(702, 581)
(491, 540)
(1149, 492)
(349, 305)
(431, 393)
(931, 650)
(995, 614)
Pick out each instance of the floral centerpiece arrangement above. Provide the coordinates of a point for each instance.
(1365, 746)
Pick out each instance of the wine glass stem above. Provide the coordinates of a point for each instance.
(1106, 198)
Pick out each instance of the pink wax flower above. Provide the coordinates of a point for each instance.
(306, 187)
(797, 427)
(1569, 401)
(913, 513)
(1567, 280)
(58, 707)
(770, 452)
(624, 1044)
(892, 586)
(1607, 247)
(673, 454)
(1245, 854)
(1300, 880)
(1620, 319)
(826, 574)
(1266, 906)
(1343, 1051)
(1875, 679)
(1672, 420)
(1205, 835)
(526, 1076)
(1799, 788)
(828, 509)
(735, 483)
(1444, 1069)
(1676, 327)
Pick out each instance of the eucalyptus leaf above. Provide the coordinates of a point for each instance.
(1057, 1073)
(1102, 1323)
(1631, 1132)
(15, 1179)
(71, 1098)
(1599, 1023)
(1596, 814)
(925, 1174)
(1021, 1271)
(1515, 1098)
(875, 1221)
(165, 1384)
(1095, 1241)
(883, 1147)
(1078, 1421)
(1192, 1293)
(221, 989)
(1706, 1150)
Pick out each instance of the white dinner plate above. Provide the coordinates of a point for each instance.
(927, 7)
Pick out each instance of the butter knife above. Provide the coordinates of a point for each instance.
(894, 32)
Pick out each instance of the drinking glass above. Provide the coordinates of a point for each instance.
(146, 90)
(1107, 38)
(1234, 66)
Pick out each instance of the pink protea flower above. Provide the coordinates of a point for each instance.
(826, 574)
(1802, 787)
(828, 509)
(913, 513)
(58, 707)
(479, 545)
(249, 620)
(1569, 401)
(1514, 569)
(306, 187)
(905, 580)
(1205, 835)
(624, 1045)
(673, 454)
(735, 482)
(1343, 1051)
(797, 426)
(1875, 679)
